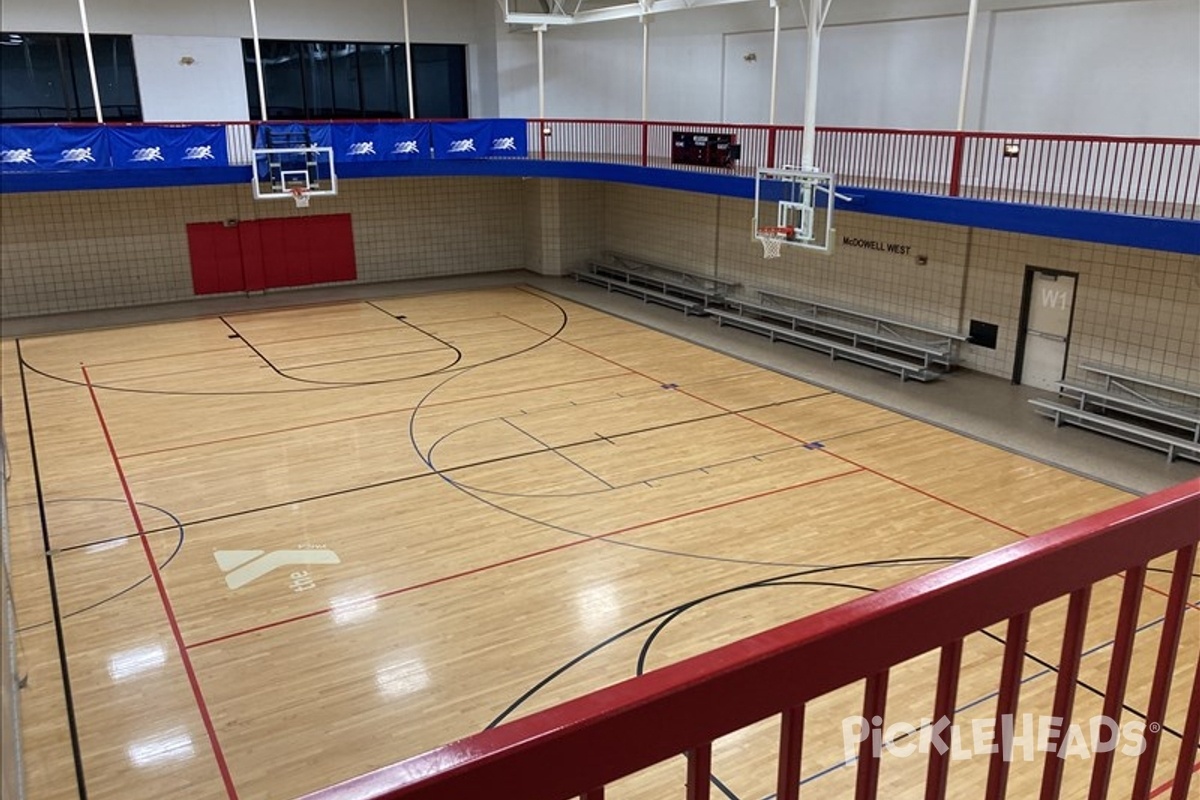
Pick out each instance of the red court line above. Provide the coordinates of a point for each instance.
(797, 439)
(844, 459)
(534, 554)
(339, 420)
(1167, 786)
(230, 790)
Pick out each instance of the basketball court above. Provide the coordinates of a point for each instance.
(291, 546)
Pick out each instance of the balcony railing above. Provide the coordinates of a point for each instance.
(578, 748)
(1143, 176)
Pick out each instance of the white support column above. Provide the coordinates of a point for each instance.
(816, 21)
(774, 61)
(262, 87)
(966, 69)
(87, 46)
(408, 71)
(645, 68)
(541, 29)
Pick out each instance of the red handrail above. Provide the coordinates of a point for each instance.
(571, 749)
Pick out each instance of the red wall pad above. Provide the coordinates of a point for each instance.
(271, 253)
(297, 251)
(216, 254)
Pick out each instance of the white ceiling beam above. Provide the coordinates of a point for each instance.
(638, 9)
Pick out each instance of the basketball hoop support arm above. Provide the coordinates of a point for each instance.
(814, 13)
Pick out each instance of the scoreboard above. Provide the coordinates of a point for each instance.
(705, 149)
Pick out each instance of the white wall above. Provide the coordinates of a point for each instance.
(874, 75)
(1105, 66)
(1122, 68)
(1039, 65)
(211, 88)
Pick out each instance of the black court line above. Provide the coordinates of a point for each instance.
(130, 587)
(315, 336)
(853, 395)
(662, 476)
(160, 356)
(597, 437)
(400, 354)
(664, 618)
(557, 452)
(72, 724)
(214, 368)
(637, 626)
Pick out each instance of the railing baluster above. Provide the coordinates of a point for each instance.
(1118, 674)
(1015, 641)
(1185, 767)
(874, 706)
(1164, 671)
(1064, 693)
(947, 695)
(699, 772)
(791, 740)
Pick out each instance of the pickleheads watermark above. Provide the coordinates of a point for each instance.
(1016, 738)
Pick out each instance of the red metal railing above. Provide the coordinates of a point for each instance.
(1157, 177)
(579, 747)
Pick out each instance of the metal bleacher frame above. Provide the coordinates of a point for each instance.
(934, 347)
(914, 352)
(1146, 411)
(654, 283)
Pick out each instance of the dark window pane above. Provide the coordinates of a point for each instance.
(318, 79)
(33, 85)
(383, 90)
(117, 78)
(346, 80)
(343, 60)
(45, 76)
(284, 79)
(251, 78)
(77, 68)
(440, 80)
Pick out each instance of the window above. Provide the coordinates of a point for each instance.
(356, 80)
(44, 78)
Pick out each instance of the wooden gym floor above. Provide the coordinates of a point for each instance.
(274, 550)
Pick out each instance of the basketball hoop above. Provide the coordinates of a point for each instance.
(300, 195)
(772, 240)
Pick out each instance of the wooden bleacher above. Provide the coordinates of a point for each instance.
(1146, 411)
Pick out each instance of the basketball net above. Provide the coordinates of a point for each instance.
(300, 195)
(772, 240)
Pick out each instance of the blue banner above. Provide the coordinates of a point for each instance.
(381, 141)
(51, 148)
(168, 146)
(293, 134)
(509, 138)
(470, 139)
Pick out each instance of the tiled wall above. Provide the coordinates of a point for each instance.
(564, 224)
(70, 251)
(1136, 309)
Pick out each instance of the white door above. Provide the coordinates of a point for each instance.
(1046, 335)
